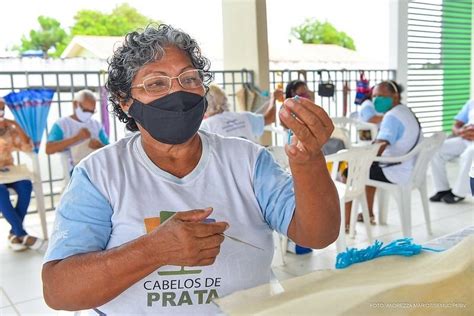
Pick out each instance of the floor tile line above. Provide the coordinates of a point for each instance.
(12, 305)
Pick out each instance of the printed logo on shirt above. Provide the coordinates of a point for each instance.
(170, 292)
(232, 125)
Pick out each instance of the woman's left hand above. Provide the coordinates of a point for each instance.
(311, 126)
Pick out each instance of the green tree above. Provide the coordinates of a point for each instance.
(313, 31)
(119, 22)
(49, 36)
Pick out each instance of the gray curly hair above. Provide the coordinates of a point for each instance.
(143, 47)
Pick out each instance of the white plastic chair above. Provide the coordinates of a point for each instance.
(423, 153)
(353, 126)
(21, 172)
(339, 132)
(359, 160)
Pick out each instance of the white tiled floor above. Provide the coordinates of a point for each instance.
(20, 280)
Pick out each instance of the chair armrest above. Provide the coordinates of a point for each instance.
(341, 155)
(403, 158)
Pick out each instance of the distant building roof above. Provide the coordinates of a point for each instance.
(32, 53)
(282, 55)
(101, 47)
(307, 55)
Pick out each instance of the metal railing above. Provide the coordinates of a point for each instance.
(67, 83)
(339, 77)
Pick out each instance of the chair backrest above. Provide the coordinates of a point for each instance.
(354, 125)
(278, 152)
(343, 134)
(427, 148)
(359, 160)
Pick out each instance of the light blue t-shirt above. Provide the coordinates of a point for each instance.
(400, 129)
(67, 127)
(57, 134)
(84, 214)
(391, 129)
(115, 191)
(466, 115)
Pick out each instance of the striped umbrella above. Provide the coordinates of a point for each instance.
(30, 109)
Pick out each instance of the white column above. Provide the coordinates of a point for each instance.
(472, 55)
(245, 38)
(399, 41)
(246, 41)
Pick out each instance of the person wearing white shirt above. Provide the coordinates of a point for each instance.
(140, 227)
(399, 133)
(462, 146)
(76, 129)
(220, 120)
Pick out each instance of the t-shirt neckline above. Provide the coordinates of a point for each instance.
(150, 165)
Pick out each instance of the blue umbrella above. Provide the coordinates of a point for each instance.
(30, 109)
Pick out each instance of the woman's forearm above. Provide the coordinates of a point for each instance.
(90, 280)
(61, 145)
(317, 216)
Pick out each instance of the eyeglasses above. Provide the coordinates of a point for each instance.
(159, 85)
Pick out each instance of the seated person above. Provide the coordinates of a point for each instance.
(367, 112)
(77, 128)
(399, 133)
(462, 145)
(248, 125)
(298, 88)
(12, 137)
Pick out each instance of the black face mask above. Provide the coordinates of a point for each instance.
(172, 119)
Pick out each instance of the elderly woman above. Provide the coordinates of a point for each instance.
(13, 138)
(248, 125)
(118, 248)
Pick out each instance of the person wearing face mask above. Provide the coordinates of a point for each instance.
(297, 88)
(145, 223)
(77, 128)
(460, 145)
(13, 138)
(399, 133)
(218, 119)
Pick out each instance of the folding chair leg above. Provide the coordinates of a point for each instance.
(38, 187)
(403, 199)
(426, 207)
(341, 240)
(41, 209)
(382, 203)
(366, 217)
(353, 219)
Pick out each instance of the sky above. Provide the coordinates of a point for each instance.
(366, 21)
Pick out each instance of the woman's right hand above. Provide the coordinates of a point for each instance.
(185, 240)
